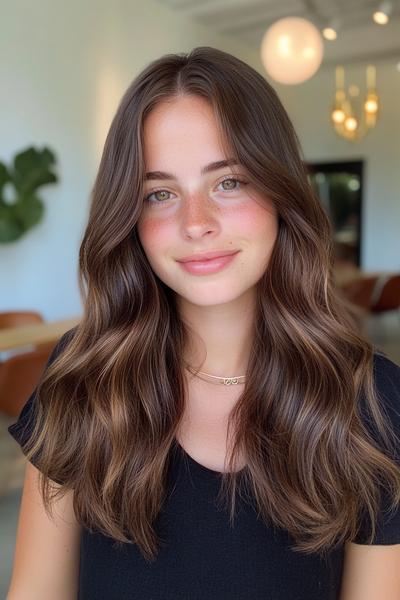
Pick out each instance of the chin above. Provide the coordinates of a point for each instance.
(211, 297)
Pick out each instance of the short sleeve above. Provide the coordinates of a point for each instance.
(387, 380)
(21, 430)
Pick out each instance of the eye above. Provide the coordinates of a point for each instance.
(147, 198)
(163, 191)
(235, 180)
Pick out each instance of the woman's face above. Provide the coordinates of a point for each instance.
(194, 213)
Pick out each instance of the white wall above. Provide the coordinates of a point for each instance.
(309, 105)
(64, 68)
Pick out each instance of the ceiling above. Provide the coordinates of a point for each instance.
(359, 38)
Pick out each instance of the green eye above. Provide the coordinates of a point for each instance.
(147, 198)
(162, 190)
(235, 180)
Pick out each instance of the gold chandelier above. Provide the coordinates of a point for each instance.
(348, 120)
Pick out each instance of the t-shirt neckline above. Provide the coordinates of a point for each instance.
(198, 467)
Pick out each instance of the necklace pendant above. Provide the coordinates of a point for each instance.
(230, 381)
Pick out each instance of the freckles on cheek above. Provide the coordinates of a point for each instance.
(254, 218)
(153, 233)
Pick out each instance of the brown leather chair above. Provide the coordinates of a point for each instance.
(374, 296)
(19, 318)
(360, 291)
(20, 373)
(386, 296)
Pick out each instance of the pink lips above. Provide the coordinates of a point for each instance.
(207, 255)
(205, 267)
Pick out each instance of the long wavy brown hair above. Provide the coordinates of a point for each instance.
(109, 406)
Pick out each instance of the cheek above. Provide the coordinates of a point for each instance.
(255, 221)
(153, 233)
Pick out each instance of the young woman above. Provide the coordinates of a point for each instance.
(214, 428)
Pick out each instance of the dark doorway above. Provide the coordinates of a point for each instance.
(339, 186)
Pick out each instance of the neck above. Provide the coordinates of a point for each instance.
(220, 337)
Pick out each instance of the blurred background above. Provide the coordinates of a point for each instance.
(64, 68)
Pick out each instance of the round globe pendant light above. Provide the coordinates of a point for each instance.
(292, 50)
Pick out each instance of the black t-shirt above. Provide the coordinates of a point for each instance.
(201, 556)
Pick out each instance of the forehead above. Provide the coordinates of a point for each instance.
(182, 129)
(180, 107)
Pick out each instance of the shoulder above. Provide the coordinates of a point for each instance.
(63, 342)
(386, 379)
(371, 571)
(387, 384)
(387, 374)
(22, 428)
(60, 345)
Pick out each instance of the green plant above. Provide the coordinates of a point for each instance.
(31, 169)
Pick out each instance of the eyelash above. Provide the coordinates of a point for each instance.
(146, 198)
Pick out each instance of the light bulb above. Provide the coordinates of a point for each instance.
(292, 50)
(329, 33)
(351, 124)
(380, 17)
(371, 105)
(338, 115)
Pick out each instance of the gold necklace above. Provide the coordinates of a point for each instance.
(221, 380)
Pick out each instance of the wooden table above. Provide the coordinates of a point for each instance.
(39, 333)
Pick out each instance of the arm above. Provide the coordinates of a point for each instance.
(371, 572)
(46, 559)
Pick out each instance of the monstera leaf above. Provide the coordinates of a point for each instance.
(32, 168)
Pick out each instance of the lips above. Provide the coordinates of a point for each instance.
(210, 266)
(207, 256)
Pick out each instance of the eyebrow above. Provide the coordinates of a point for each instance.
(214, 166)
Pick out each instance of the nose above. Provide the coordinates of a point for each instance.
(198, 216)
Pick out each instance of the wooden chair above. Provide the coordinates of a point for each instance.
(20, 373)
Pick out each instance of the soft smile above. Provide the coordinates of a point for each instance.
(208, 266)
(202, 256)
